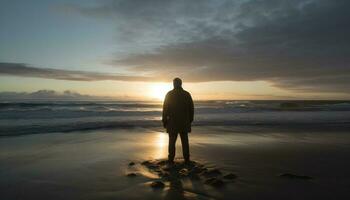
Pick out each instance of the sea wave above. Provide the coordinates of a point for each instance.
(152, 106)
(10, 127)
(18, 118)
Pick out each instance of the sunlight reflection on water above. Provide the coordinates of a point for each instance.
(160, 145)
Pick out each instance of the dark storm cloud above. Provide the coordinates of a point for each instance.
(300, 45)
(19, 69)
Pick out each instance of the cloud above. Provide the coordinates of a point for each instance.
(47, 95)
(298, 45)
(19, 69)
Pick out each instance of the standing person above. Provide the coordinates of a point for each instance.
(177, 118)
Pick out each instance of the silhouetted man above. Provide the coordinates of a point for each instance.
(177, 118)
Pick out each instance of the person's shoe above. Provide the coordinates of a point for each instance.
(187, 162)
(170, 162)
(169, 165)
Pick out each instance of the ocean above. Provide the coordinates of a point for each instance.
(32, 117)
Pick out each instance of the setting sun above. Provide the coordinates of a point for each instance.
(159, 90)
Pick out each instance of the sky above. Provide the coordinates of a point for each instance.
(132, 49)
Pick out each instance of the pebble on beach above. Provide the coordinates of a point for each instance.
(230, 176)
(295, 176)
(157, 184)
(211, 173)
(132, 174)
(215, 182)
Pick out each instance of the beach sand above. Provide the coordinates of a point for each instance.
(95, 164)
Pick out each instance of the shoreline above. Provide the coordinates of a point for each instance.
(155, 125)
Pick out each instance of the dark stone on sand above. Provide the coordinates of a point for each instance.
(184, 172)
(153, 167)
(164, 174)
(157, 185)
(294, 176)
(146, 162)
(204, 169)
(215, 182)
(194, 176)
(167, 167)
(131, 164)
(211, 173)
(197, 169)
(230, 176)
(132, 174)
(162, 162)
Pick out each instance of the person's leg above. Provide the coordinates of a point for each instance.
(185, 146)
(171, 147)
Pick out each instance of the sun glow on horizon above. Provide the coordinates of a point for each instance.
(159, 90)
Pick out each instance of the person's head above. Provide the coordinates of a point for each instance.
(177, 82)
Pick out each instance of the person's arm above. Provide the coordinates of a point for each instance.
(191, 108)
(165, 111)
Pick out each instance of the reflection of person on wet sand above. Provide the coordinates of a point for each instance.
(177, 118)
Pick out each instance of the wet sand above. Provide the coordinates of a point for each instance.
(94, 165)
